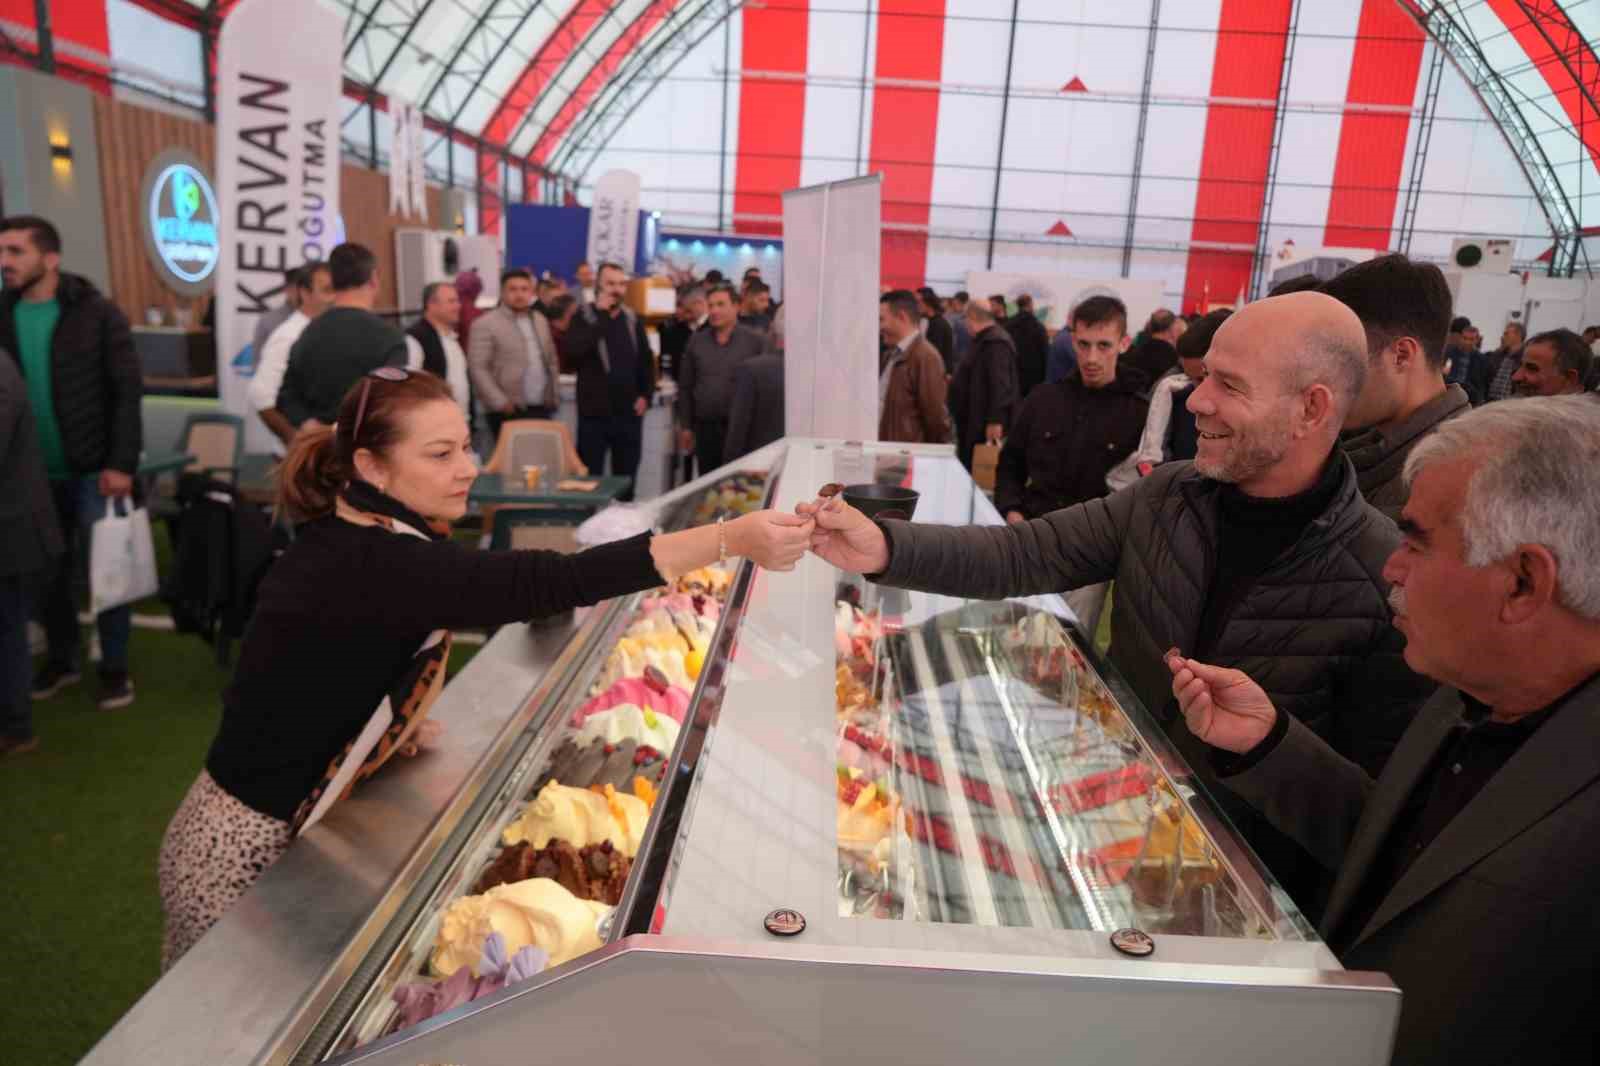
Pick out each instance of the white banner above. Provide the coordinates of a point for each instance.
(399, 156)
(1055, 295)
(280, 76)
(614, 219)
(416, 174)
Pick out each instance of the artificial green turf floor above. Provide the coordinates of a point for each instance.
(82, 823)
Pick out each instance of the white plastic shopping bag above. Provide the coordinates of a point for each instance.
(122, 558)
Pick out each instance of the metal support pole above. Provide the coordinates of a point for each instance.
(1138, 144)
(450, 156)
(722, 154)
(46, 39)
(372, 130)
(1000, 148)
(866, 79)
(1419, 155)
(1259, 262)
(208, 45)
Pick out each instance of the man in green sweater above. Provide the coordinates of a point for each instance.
(344, 343)
(76, 355)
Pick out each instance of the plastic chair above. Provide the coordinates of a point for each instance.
(217, 443)
(532, 442)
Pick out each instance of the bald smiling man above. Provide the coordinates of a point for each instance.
(1260, 555)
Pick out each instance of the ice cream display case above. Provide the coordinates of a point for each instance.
(799, 817)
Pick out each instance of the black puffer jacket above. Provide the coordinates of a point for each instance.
(95, 378)
(984, 390)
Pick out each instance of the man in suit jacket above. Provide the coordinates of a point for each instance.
(512, 356)
(936, 329)
(30, 543)
(756, 418)
(1466, 870)
(912, 387)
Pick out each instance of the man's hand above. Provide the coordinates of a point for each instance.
(509, 407)
(114, 484)
(845, 537)
(686, 440)
(993, 432)
(640, 406)
(1015, 518)
(1222, 707)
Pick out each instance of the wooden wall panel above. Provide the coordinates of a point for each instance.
(131, 137)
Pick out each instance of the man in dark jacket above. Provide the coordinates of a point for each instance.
(1444, 860)
(1033, 346)
(1405, 309)
(757, 416)
(84, 385)
(983, 394)
(938, 332)
(705, 379)
(1259, 555)
(1157, 351)
(30, 544)
(345, 342)
(1494, 371)
(1068, 436)
(607, 349)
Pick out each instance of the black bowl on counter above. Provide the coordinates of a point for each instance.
(882, 501)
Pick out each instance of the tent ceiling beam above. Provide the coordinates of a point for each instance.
(1139, 139)
(1500, 101)
(1285, 76)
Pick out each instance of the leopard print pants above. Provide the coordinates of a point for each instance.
(214, 850)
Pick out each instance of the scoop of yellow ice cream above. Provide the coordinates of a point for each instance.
(580, 817)
(537, 913)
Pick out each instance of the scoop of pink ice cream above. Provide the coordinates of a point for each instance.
(674, 702)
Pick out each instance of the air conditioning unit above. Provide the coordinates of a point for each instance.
(1476, 253)
(423, 257)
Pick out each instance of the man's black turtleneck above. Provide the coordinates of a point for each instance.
(1252, 532)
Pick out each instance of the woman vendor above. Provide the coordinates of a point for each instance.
(358, 611)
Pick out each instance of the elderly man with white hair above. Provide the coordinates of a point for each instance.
(1261, 554)
(1466, 870)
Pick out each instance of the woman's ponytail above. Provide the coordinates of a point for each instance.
(312, 476)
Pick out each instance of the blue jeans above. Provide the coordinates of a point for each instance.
(79, 506)
(16, 661)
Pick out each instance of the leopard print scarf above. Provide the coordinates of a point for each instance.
(410, 697)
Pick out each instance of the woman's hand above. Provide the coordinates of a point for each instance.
(774, 540)
(845, 537)
(1222, 707)
(425, 737)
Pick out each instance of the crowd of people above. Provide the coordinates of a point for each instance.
(1356, 559)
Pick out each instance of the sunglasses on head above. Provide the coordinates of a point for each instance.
(383, 373)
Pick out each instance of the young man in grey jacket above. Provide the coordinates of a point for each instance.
(1261, 552)
(1405, 309)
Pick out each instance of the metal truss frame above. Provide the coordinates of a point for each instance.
(1500, 100)
(1258, 260)
(680, 34)
(579, 50)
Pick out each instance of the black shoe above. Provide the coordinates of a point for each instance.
(53, 679)
(16, 746)
(116, 691)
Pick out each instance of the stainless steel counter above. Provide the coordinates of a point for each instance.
(235, 998)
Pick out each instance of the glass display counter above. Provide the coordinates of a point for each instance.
(803, 818)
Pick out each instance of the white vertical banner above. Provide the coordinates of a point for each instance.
(614, 219)
(415, 172)
(280, 75)
(832, 246)
(399, 156)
